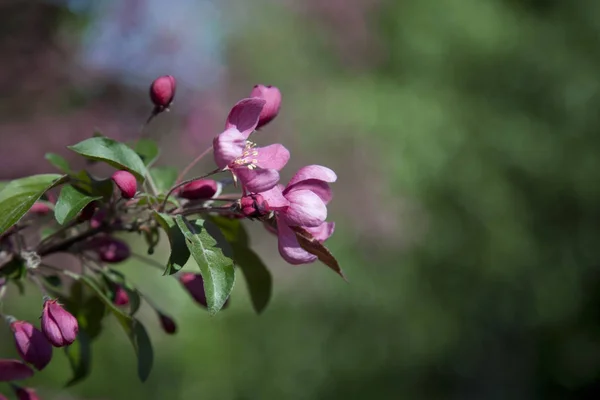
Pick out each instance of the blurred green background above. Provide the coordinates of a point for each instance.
(465, 138)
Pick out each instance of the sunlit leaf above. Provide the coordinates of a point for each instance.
(70, 203)
(213, 258)
(117, 154)
(19, 195)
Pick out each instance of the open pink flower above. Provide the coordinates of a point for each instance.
(257, 168)
(303, 202)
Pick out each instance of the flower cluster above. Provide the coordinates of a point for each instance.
(202, 218)
(302, 203)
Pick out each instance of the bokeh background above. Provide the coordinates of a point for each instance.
(465, 134)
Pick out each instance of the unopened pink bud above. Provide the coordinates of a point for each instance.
(59, 326)
(194, 284)
(272, 96)
(167, 324)
(109, 249)
(26, 393)
(98, 218)
(32, 345)
(162, 91)
(3, 397)
(199, 189)
(126, 182)
(121, 297)
(39, 208)
(253, 206)
(14, 370)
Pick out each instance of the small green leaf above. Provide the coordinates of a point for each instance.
(117, 154)
(93, 186)
(232, 229)
(215, 262)
(180, 254)
(70, 203)
(148, 150)
(164, 177)
(133, 328)
(79, 355)
(19, 195)
(59, 162)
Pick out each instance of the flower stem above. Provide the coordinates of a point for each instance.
(192, 164)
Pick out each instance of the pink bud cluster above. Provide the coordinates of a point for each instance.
(59, 328)
(302, 203)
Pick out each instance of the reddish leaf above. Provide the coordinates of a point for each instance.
(313, 246)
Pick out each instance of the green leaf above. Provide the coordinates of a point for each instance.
(180, 254)
(79, 355)
(133, 328)
(148, 150)
(117, 154)
(59, 162)
(19, 195)
(93, 186)
(164, 177)
(213, 258)
(117, 278)
(257, 276)
(70, 203)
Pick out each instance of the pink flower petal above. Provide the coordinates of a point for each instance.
(274, 156)
(306, 209)
(323, 231)
(228, 146)
(320, 188)
(272, 95)
(289, 248)
(274, 198)
(313, 172)
(257, 180)
(245, 114)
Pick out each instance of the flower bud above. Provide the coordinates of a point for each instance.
(26, 393)
(3, 397)
(109, 249)
(194, 284)
(59, 326)
(272, 96)
(14, 370)
(199, 189)
(39, 208)
(126, 182)
(97, 218)
(32, 345)
(162, 91)
(121, 298)
(167, 324)
(253, 206)
(88, 212)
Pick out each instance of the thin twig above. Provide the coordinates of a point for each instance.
(180, 184)
(192, 164)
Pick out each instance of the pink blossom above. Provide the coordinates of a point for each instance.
(109, 249)
(257, 168)
(26, 393)
(303, 202)
(40, 208)
(272, 96)
(121, 298)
